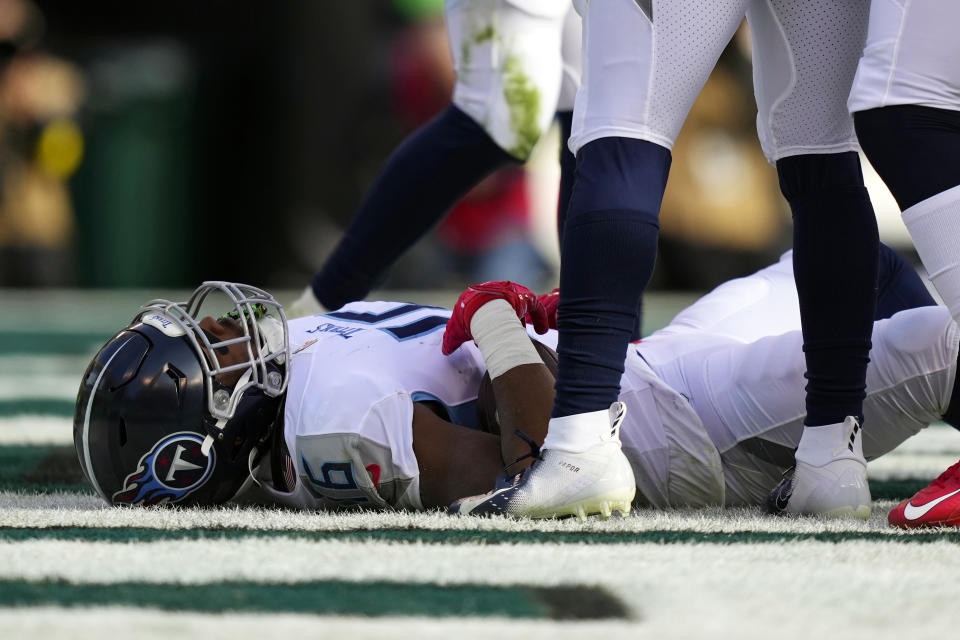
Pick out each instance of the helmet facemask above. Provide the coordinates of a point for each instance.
(263, 372)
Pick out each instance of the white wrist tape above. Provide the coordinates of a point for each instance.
(502, 340)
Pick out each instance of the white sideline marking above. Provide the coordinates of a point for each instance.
(898, 466)
(61, 387)
(29, 429)
(36, 365)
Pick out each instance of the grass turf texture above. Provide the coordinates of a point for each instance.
(71, 567)
(441, 536)
(51, 468)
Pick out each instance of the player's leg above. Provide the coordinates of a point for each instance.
(765, 304)
(907, 102)
(805, 56)
(748, 395)
(572, 58)
(506, 56)
(899, 286)
(637, 89)
(640, 78)
(572, 66)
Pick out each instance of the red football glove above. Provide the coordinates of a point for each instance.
(550, 302)
(523, 301)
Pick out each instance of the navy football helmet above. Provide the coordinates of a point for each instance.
(154, 422)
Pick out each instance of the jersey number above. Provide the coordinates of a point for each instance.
(419, 327)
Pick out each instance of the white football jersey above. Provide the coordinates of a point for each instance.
(356, 373)
(727, 371)
(354, 376)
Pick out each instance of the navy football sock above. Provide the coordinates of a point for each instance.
(607, 257)
(568, 167)
(916, 150)
(835, 266)
(898, 285)
(421, 180)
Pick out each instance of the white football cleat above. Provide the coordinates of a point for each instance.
(561, 483)
(306, 305)
(830, 477)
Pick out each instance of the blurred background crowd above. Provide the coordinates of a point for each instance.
(160, 144)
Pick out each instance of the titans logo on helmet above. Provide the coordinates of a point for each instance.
(173, 469)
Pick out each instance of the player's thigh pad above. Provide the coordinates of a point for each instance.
(506, 54)
(641, 76)
(805, 54)
(755, 390)
(910, 377)
(674, 460)
(912, 56)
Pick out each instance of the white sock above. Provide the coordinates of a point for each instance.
(579, 432)
(822, 444)
(934, 225)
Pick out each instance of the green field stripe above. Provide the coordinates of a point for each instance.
(41, 469)
(329, 597)
(43, 343)
(895, 489)
(59, 407)
(459, 536)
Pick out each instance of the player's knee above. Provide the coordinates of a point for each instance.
(620, 174)
(810, 174)
(918, 339)
(515, 126)
(915, 149)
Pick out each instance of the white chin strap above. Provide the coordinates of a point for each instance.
(221, 423)
(208, 441)
(250, 467)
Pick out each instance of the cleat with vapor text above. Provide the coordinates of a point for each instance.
(830, 476)
(937, 505)
(562, 483)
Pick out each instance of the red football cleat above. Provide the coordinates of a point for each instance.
(937, 505)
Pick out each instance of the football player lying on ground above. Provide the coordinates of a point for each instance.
(360, 407)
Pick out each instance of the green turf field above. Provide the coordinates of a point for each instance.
(71, 567)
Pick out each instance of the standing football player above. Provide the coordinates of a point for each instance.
(517, 66)
(906, 105)
(644, 63)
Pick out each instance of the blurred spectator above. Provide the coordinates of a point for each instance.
(40, 148)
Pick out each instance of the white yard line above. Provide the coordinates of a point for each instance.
(54, 387)
(925, 466)
(12, 366)
(27, 429)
